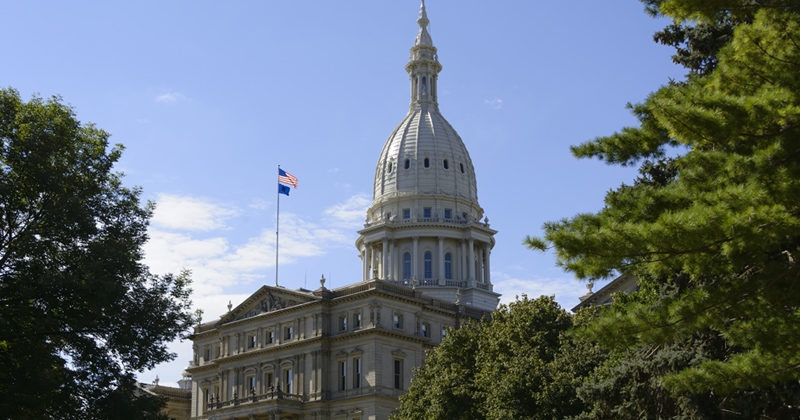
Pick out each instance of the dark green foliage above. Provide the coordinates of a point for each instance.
(629, 384)
(724, 213)
(79, 313)
(519, 365)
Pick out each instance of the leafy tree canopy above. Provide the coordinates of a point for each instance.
(724, 213)
(79, 313)
(518, 365)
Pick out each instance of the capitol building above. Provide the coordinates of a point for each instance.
(348, 353)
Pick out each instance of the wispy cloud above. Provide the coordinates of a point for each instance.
(177, 212)
(179, 238)
(170, 97)
(494, 103)
(349, 214)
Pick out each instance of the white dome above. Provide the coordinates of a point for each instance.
(425, 136)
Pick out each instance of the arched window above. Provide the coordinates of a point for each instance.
(407, 266)
(448, 266)
(427, 163)
(446, 164)
(408, 164)
(424, 86)
(428, 265)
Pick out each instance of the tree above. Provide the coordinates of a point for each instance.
(628, 384)
(723, 213)
(79, 312)
(518, 365)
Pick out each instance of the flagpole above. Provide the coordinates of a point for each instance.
(277, 229)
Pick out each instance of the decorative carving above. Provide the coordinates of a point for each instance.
(268, 304)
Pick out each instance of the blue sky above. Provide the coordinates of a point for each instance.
(210, 97)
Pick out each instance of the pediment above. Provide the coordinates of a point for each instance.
(267, 299)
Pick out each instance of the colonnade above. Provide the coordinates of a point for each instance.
(384, 260)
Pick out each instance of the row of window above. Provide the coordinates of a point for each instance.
(427, 213)
(357, 374)
(426, 163)
(251, 387)
(252, 341)
(427, 259)
(356, 321)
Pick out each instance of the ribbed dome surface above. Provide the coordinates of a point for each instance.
(424, 135)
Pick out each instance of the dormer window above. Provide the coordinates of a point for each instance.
(390, 167)
(408, 165)
(427, 163)
(462, 167)
(446, 164)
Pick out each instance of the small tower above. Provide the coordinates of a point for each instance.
(424, 223)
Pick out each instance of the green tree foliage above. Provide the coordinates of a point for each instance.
(696, 42)
(79, 313)
(518, 365)
(724, 214)
(628, 384)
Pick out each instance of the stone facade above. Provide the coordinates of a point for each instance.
(341, 354)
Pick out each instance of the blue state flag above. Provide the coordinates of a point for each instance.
(283, 189)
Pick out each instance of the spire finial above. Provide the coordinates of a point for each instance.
(423, 16)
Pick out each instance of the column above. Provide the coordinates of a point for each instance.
(471, 260)
(369, 260)
(384, 259)
(464, 269)
(364, 275)
(487, 254)
(480, 265)
(392, 261)
(415, 259)
(441, 257)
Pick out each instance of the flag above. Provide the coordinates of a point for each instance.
(286, 178)
(283, 189)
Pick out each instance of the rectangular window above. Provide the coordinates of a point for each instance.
(287, 379)
(357, 320)
(218, 352)
(251, 385)
(357, 373)
(426, 212)
(398, 374)
(406, 213)
(389, 216)
(397, 321)
(448, 213)
(342, 375)
(464, 216)
(426, 330)
(269, 382)
(343, 323)
(207, 354)
(287, 332)
(444, 332)
(251, 341)
(270, 337)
